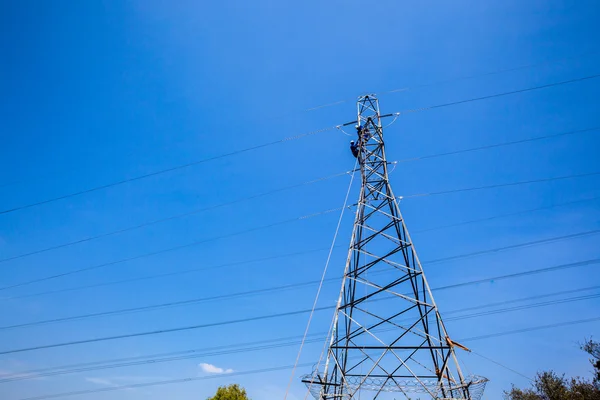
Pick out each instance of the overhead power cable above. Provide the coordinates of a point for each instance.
(497, 216)
(515, 246)
(496, 72)
(276, 224)
(168, 274)
(280, 368)
(193, 270)
(164, 171)
(491, 96)
(503, 144)
(272, 343)
(457, 79)
(320, 286)
(264, 194)
(156, 252)
(496, 95)
(277, 289)
(531, 329)
(230, 322)
(172, 217)
(557, 178)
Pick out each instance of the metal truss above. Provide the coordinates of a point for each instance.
(388, 337)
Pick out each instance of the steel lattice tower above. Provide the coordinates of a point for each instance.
(388, 338)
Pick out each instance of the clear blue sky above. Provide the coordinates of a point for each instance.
(97, 92)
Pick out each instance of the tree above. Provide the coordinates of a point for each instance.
(593, 349)
(550, 386)
(231, 392)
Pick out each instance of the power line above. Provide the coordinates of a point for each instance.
(508, 214)
(172, 217)
(496, 145)
(163, 171)
(273, 369)
(268, 344)
(182, 166)
(502, 185)
(279, 223)
(162, 331)
(535, 328)
(146, 224)
(207, 325)
(496, 95)
(153, 253)
(501, 71)
(167, 274)
(284, 288)
(163, 382)
(515, 246)
(457, 79)
(192, 270)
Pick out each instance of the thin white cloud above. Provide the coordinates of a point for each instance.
(100, 381)
(213, 369)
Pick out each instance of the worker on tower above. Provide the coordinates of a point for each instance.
(362, 132)
(354, 148)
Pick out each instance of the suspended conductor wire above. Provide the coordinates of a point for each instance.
(501, 365)
(223, 350)
(335, 235)
(280, 368)
(323, 350)
(458, 79)
(193, 270)
(172, 217)
(162, 251)
(164, 171)
(491, 96)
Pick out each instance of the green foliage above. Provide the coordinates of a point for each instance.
(231, 392)
(593, 349)
(550, 386)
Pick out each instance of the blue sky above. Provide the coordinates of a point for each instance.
(98, 92)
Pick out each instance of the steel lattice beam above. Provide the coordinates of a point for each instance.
(388, 335)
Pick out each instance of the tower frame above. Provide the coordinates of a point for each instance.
(387, 333)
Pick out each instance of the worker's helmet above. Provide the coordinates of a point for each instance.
(352, 142)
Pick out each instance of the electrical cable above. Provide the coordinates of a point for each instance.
(514, 246)
(507, 215)
(280, 223)
(496, 95)
(501, 71)
(207, 325)
(557, 178)
(535, 328)
(496, 145)
(163, 171)
(265, 344)
(335, 235)
(283, 288)
(501, 365)
(457, 79)
(156, 252)
(146, 224)
(487, 97)
(265, 370)
(192, 270)
(166, 274)
(172, 217)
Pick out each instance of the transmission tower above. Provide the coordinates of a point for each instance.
(387, 339)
